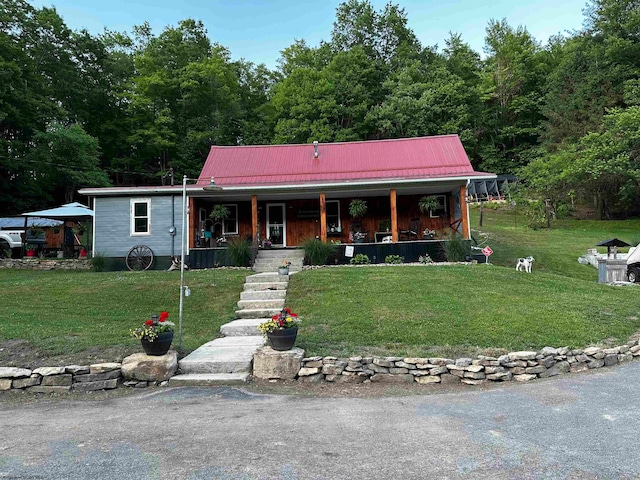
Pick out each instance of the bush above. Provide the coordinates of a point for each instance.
(317, 252)
(455, 249)
(240, 252)
(360, 259)
(395, 259)
(98, 261)
(425, 258)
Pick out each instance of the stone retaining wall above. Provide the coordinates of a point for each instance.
(45, 264)
(137, 370)
(515, 366)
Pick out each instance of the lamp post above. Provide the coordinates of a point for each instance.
(209, 188)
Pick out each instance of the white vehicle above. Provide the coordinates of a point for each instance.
(633, 265)
(10, 240)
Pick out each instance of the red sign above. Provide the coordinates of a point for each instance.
(486, 251)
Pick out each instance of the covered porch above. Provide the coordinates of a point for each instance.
(280, 219)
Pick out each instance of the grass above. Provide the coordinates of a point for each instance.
(63, 312)
(438, 310)
(441, 310)
(425, 310)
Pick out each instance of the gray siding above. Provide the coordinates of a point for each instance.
(112, 226)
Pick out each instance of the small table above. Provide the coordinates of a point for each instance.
(378, 236)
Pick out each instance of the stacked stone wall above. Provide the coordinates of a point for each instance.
(45, 264)
(516, 366)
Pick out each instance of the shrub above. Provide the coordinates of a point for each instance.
(317, 252)
(395, 259)
(98, 261)
(360, 259)
(240, 251)
(455, 248)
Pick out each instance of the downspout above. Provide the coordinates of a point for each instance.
(173, 226)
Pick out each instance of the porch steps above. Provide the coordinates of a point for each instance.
(270, 260)
(229, 360)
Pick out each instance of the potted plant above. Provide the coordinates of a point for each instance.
(155, 335)
(357, 208)
(283, 269)
(385, 225)
(281, 331)
(428, 204)
(219, 213)
(31, 251)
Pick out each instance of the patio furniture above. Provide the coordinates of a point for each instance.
(412, 230)
(357, 235)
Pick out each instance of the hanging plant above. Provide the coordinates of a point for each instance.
(428, 204)
(219, 212)
(357, 208)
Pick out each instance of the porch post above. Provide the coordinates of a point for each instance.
(464, 207)
(254, 216)
(193, 217)
(394, 215)
(323, 218)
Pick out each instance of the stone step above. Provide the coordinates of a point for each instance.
(257, 312)
(261, 304)
(281, 253)
(256, 287)
(208, 379)
(266, 278)
(262, 294)
(274, 270)
(222, 355)
(245, 327)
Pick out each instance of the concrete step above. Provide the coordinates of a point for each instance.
(256, 287)
(245, 327)
(223, 355)
(262, 294)
(266, 278)
(208, 379)
(257, 312)
(261, 304)
(281, 253)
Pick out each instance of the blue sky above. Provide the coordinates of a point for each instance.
(258, 30)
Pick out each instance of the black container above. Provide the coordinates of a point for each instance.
(282, 340)
(159, 346)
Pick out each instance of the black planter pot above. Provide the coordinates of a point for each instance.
(159, 346)
(282, 340)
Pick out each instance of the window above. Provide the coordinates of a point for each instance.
(230, 224)
(140, 216)
(333, 216)
(441, 209)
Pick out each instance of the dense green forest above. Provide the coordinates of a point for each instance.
(120, 108)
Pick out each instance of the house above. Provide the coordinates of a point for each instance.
(288, 193)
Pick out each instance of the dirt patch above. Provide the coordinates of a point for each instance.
(20, 353)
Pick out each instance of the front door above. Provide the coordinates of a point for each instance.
(276, 224)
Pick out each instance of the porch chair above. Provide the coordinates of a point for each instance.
(412, 231)
(356, 227)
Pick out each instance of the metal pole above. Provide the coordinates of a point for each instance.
(184, 214)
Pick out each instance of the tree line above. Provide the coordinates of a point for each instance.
(117, 108)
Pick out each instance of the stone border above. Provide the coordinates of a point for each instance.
(137, 370)
(515, 366)
(45, 264)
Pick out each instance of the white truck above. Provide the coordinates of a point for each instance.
(10, 242)
(633, 265)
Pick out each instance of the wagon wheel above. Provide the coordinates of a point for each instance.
(139, 257)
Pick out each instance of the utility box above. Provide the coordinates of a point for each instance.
(612, 270)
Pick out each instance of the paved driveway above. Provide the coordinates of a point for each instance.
(579, 427)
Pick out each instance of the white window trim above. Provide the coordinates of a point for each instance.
(444, 203)
(224, 232)
(132, 218)
(339, 219)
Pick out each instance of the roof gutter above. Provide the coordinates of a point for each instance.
(286, 186)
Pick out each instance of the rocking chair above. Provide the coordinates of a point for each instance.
(412, 231)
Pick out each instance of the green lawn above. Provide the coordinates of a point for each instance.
(407, 310)
(463, 309)
(62, 312)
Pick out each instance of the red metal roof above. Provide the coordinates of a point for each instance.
(378, 160)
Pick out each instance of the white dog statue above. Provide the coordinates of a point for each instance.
(387, 239)
(525, 263)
